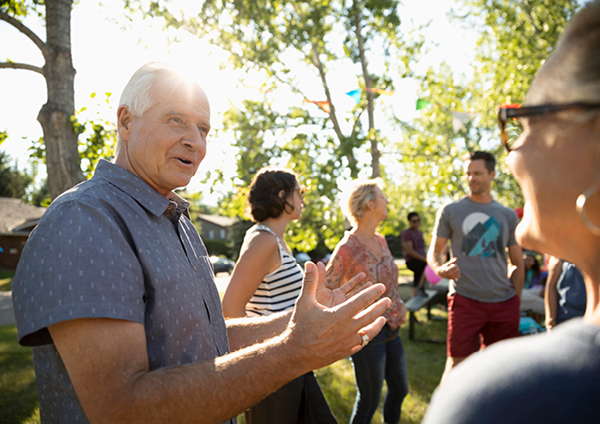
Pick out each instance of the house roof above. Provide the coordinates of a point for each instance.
(223, 221)
(15, 214)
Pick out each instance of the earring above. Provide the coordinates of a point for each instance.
(581, 201)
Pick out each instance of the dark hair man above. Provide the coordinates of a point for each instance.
(483, 301)
(413, 246)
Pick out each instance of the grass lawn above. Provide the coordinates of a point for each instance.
(425, 363)
(6, 280)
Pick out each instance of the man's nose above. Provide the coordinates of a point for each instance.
(194, 139)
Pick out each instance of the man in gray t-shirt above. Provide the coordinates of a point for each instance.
(483, 301)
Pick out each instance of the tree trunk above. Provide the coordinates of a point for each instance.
(62, 156)
(375, 154)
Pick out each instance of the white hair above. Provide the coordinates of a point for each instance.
(137, 94)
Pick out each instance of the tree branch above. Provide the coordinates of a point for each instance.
(23, 29)
(14, 65)
(527, 10)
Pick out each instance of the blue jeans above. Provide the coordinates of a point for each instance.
(378, 360)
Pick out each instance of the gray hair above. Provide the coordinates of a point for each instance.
(137, 94)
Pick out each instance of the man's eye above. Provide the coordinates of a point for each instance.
(177, 120)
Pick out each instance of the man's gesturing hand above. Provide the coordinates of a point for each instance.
(328, 325)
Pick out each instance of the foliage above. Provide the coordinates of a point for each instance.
(517, 35)
(13, 183)
(287, 43)
(97, 139)
(18, 393)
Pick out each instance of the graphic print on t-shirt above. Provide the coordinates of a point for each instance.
(481, 235)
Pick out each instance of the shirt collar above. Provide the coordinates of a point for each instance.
(139, 189)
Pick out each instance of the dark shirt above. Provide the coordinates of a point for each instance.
(113, 247)
(546, 378)
(416, 236)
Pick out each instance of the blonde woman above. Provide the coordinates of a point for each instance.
(267, 280)
(364, 250)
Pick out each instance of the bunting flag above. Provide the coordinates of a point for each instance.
(323, 104)
(380, 91)
(355, 94)
(459, 119)
(422, 104)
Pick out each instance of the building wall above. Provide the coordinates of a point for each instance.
(12, 247)
(211, 231)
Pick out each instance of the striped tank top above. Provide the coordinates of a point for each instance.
(279, 289)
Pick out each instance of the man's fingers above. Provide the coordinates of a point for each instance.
(348, 288)
(368, 333)
(311, 278)
(363, 299)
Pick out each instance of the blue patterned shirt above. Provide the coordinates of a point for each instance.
(113, 247)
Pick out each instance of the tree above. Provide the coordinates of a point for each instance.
(60, 138)
(516, 38)
(288, 43)
(12, 182)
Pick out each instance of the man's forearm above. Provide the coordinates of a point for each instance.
(211, 391)
(517, 278)
(247, 331)
(436, 260)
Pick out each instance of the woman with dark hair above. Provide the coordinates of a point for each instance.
(266, 280)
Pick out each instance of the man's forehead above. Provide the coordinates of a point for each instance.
(474, 164)
(176, 86)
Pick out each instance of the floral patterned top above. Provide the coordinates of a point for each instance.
(351, 256)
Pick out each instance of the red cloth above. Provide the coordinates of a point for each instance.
(351, 256)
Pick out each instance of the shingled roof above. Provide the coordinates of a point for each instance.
(14, 213)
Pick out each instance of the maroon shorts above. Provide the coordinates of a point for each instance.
(473, 325)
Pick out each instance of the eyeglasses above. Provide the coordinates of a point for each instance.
(510, 129)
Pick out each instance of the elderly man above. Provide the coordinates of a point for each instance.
(483, 300)
(116, 295)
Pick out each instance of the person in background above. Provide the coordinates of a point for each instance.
(115, 291)
(364, 250)
(483, 297)
(547, 378)
(413, 247)
(532, 296)
(267, 280)
(565, 293)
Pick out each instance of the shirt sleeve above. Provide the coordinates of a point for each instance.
(514, 221)
(442, 226)
(79, 262)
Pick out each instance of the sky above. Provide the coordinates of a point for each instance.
(108, 47)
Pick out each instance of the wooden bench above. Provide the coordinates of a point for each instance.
(424, 298)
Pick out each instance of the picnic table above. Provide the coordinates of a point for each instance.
(426, 298)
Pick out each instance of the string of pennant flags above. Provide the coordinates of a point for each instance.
(458, 118)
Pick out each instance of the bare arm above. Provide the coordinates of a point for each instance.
(517, 276)
(551, 296)
(409, 248)
(257, 259)
(436, 259)
(108, 364)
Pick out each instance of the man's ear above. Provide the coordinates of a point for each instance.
(493, 173)
(282, 194)
(124, 118)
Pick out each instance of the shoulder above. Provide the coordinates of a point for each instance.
(505, 381)
(260, 241)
